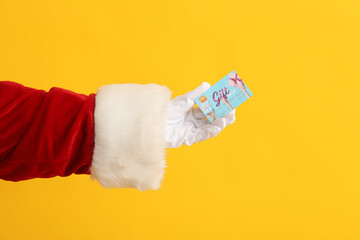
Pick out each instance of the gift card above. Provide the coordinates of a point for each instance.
(223, 97)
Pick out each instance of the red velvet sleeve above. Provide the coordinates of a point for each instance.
(44, 134)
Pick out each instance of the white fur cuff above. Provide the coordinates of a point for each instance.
(129, 139)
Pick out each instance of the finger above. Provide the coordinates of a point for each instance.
(230, 117)
(198, 91)
(213, 131)
(210, 130)
(216, 127)
(220, 123)
(198, 114)
(199, 117)
(203, 133)
(185, 102)
(181, 104)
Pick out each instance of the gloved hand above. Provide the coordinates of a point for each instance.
(187, 125)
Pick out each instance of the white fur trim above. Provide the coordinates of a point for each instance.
(129, 135)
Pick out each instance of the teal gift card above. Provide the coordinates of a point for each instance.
(223, 97)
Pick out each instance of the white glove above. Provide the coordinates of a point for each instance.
(187, 125)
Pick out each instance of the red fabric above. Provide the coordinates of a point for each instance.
(44, 134)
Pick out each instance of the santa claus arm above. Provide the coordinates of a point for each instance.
(118, 135)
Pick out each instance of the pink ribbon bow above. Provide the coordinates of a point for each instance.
(235, 80)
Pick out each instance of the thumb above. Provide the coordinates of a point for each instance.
(199, 90)
(185, 102)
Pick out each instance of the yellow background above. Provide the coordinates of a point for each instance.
(287, 169)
